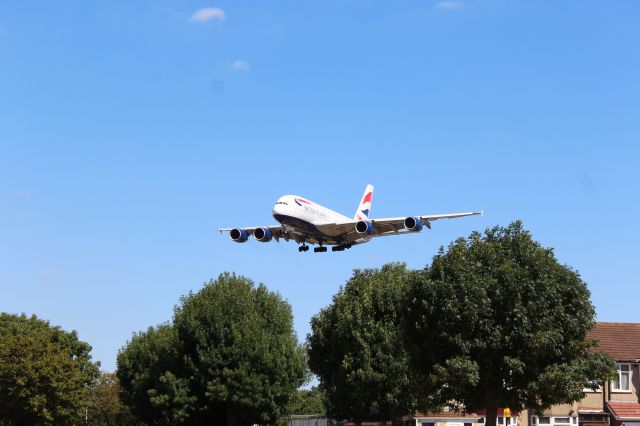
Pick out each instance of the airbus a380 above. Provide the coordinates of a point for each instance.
(306, 222)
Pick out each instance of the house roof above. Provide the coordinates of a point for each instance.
(625, 410)
(621, 340)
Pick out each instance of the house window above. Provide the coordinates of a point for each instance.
(589, 390)
(622, 379)
(553, 421)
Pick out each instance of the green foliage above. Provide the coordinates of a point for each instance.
(496, 321)
(307, 402)
(146, 370)
(45, 372)
(229, 356)
(105, 407)
(356, 348)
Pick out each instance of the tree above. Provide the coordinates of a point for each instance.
(230, 356)
(45, 372)
(357, 351)
(307, 402)
(105, 407)
(496, 321)
(154, 378)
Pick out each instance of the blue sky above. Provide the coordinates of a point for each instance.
(130, 131)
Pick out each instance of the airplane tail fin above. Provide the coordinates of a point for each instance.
(365, 204)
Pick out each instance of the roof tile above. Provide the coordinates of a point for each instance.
(621, 340)
(625, 410)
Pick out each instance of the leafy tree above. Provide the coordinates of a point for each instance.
(496, 321)
(45, 372)
(154, 378)
(105, 407)
(307, 402)
(356, 348)
(230, 356)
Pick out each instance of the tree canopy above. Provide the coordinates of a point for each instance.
(494, 321)
(356, 348)
(105, 407)
(230, 356)
(45, 372)
(307, 402)
(497, 321)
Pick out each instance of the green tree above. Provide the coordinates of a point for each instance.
(496, 321)
(230, 356)
(153, 377)
(357, 351)
(105, 407)
(45, 372)
(307, 401)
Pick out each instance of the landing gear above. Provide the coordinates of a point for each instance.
(303, 247)
(341, 247)
(320, 249)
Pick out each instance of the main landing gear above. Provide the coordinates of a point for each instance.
(323, 249)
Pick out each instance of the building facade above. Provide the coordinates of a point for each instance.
(615, 403)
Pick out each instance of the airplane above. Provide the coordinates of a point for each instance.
(306, 222)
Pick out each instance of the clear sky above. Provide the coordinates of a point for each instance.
(131, 130)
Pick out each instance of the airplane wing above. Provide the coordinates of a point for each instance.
(386, 226)
(251, 229)
(278, 232)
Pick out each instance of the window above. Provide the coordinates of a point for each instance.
(428, 424)
(553, 421)
(589, 390)
(622, 379)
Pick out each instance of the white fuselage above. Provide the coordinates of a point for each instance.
(302, 214)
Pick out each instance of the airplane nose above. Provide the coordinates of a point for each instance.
(279, 206)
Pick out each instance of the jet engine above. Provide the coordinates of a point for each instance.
(413, 223)
(239, 235)
(263, 235)
(364, 227)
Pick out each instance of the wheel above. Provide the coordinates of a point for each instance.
(319, 249)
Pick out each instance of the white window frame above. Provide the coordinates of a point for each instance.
(573, 420)
(619, 371)
(589, 390)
